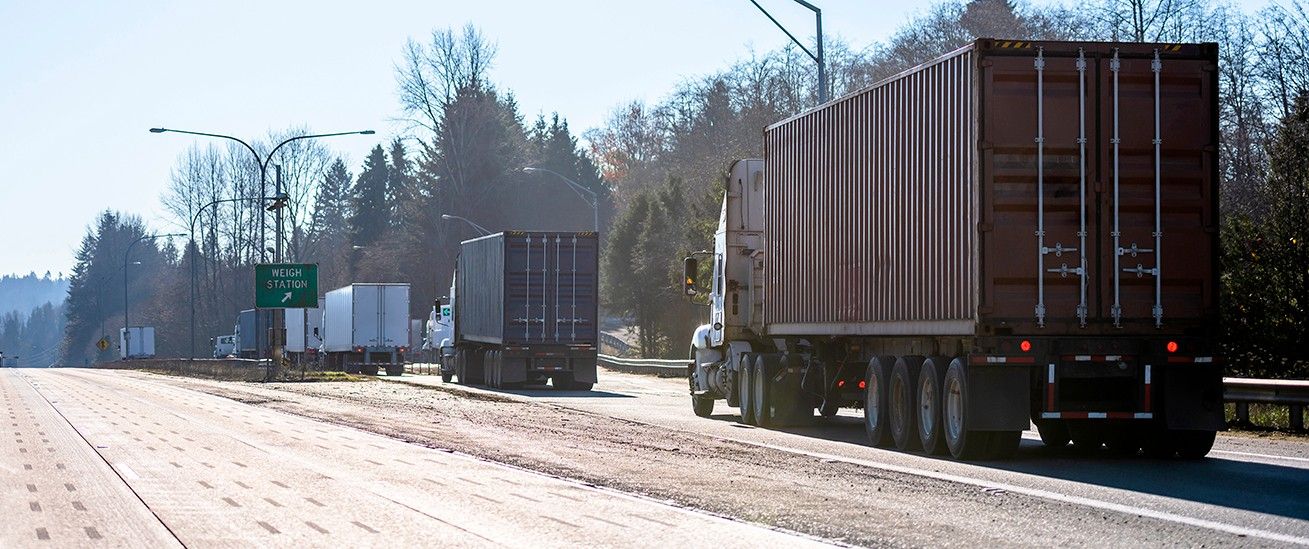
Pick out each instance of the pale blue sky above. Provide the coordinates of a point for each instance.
(81, 82)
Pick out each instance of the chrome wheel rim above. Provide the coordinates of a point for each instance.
(954, 408)
(926, 396)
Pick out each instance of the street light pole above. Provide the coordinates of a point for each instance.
(822, 65)
(577, 188)
(480, 228)
(263, 175)
(127, 335)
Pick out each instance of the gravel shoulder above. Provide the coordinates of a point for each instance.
(836, 501)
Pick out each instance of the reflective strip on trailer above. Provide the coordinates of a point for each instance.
(1097, 415)
(985, 359)
(1095, 358)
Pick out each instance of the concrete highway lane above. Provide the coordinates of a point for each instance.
(1254, 489)
(107, 458)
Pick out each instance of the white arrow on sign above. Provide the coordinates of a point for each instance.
(286, 297)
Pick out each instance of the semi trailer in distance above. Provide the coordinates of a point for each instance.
(366, 328)
(1015, 232)
(253, 326)
(527, 309)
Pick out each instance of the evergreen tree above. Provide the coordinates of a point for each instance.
(400, 182)
(370, 214)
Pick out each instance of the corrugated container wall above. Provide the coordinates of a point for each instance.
(869, 206)
(952, 198)
(528, 287)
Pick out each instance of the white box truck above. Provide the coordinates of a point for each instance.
(136, 342)
(366, 328)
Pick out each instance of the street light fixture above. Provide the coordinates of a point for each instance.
(279, 200)
(127, 339)
(480, 228)
(577, 188)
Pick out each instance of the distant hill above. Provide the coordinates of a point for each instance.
(21, 294)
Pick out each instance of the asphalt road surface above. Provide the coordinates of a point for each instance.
(125, 458)
(116, 458)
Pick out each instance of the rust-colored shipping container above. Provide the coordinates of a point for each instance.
(981, 194)
(1016, 232)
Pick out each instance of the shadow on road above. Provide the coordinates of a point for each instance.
(1259, 487)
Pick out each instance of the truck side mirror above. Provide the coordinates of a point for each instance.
(437, 303)
(316, 332)
(690, 270)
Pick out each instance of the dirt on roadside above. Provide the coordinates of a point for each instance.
(837, 501)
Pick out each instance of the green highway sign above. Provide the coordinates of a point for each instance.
(286, 286)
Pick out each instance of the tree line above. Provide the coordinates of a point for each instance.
(667, 161)
(658, 170)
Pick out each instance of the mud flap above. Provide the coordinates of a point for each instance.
(1193, 397)
(999, 397)
(513, 369)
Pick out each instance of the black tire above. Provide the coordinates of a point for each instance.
(1193, 444)
(446, 377)
(461, 371)
(370, 369)
(1087, 439)
(902, 403)
(761, 399)
(745, 385)
(1156, 444)
(964, 443)
(1054, 433)
(1004, 444)
(875, 410)
(493, 377)
(394, 371)
(702, 405)
(1121, 441)
(928, 405)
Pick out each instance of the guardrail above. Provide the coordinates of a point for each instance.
(1284, 392)
(648, 366)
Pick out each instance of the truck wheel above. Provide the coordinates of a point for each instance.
(1086, 438)
(963, 443)
(1121, 441)
(370, 369)
(1054, 433)
(929, 405)
(459, 368)
(904, 419)
(745, 387)
(1193, 444)
(875, 411)
(395, 370)
(1004, 444)
(761, 397)
(493, 369)
(1156, 444)
(446, 377)
(702, 405)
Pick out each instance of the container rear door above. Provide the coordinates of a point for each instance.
(1049, 241)
(550, 288)
(368, 316)
(394, 318)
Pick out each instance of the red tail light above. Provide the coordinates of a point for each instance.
(1172, 346)
(863, 384)
(840, 383)
(1026, 346)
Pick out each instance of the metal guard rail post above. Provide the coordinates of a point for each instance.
(1286, 392)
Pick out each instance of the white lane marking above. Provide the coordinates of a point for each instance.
(1046, 494)
(1264, 456)
(126, 471)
